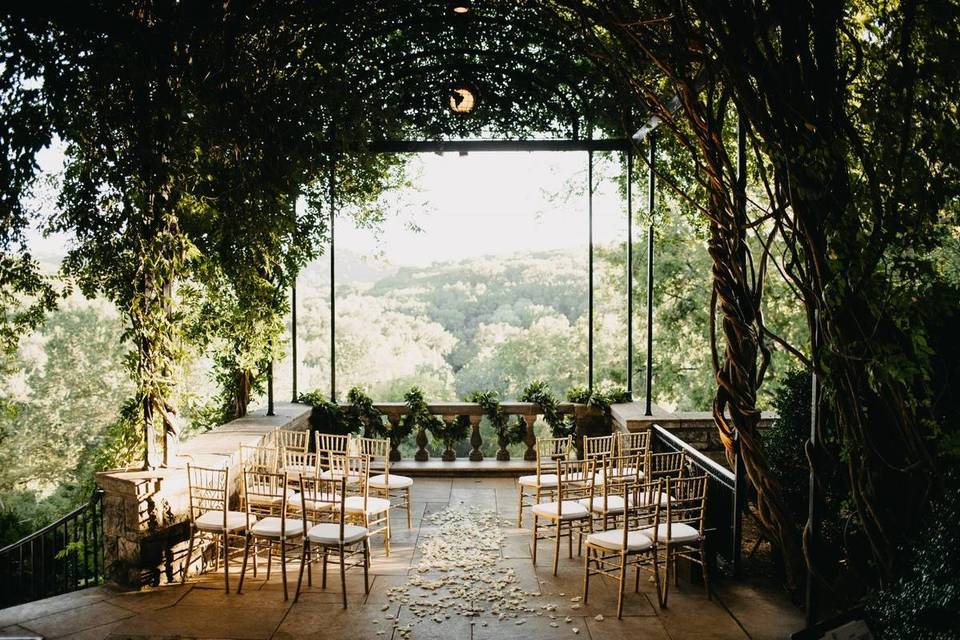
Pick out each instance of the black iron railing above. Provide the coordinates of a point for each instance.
(724, 510)
(64, 556)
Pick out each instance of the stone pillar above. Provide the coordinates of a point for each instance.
(476, 440)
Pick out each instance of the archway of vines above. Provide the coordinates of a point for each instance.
(193, 129)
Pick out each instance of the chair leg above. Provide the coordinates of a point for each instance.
(519, 505)
(256, 557)
(323, 583)
(226, 561)
(556, 548)
(570, 540)
(703, 562)
(666, 580)
(586, 575)
(304, 560)
(534, 542)
(186, 564)
(343, 576)
(656, 576)
(243, 568)
(623, 577)
(283, 567)
(366, 565)
(409, 509)
(386, 539)
(269, 558)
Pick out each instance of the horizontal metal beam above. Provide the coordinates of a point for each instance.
(466, 146)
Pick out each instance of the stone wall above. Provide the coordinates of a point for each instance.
(145, 513)
(694, 427)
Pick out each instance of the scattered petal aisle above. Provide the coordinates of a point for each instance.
(460, 573)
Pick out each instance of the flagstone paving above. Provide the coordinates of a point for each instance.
(464, 571)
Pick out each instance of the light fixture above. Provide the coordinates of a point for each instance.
(459, 6)
(463, 98)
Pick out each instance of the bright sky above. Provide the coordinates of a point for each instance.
(479, 204)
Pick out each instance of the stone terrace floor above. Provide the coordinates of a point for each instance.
(200, 609)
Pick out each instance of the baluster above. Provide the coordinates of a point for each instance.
(421, 455)
(502, 454)
(394, 420)
(449, 455)
(476, 440)
(529, 438)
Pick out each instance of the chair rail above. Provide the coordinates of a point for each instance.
(63, 556)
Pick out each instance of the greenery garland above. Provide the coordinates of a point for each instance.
(362, 416)
(538, 392)
(418, 414)
(489, 402)
(601, 398)
(327, 416)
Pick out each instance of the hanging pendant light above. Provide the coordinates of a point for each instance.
(463, 98)
(459, 7)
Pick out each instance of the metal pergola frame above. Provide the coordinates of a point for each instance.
(622, 145)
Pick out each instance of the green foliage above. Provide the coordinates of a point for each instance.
(601, 396)
(453, 432)
(418, 414)
(924, 602)
(489, 402)
(327, 416)
(539, 393)
(361, 414)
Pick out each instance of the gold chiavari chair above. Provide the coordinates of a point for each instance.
(298, 463)
(566, 510)
(337, 538)
(617, 472)
(278, 533)
(597, 447)
(211, 517)
(395, 488)
(612, 552)
(370, 512)
(259, 458)
(681, 532)
(634, 442)
(543, 484)
(661, 466)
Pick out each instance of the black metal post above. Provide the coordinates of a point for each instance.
(293, 343)
(651, 205)
(333, 297)
(813, 500)
(630, 272)
(270, 389)
(590, 269)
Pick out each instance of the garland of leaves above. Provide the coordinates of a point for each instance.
(362, 415)
(538, 392)
(489, 402)
(419, 415)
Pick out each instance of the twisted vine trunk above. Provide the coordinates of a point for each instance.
(243, 384)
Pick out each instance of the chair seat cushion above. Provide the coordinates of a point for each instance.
(625, 472)
(570, 510)
(652, 499)
(263, 500)
(271, 527)
(331, 503)
(330, 475)
(328, 533)
(613, 540)
(390, 482)
(614, 504)
(354, 504)
(679, 532)
(294, 471)
(543, 480)
(213, 521)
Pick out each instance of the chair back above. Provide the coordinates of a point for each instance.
(266, 493)
(321, 499)
(686, 501)
(575, 480)
(643, 514)
(549, 451)
(378, 450)
(665, 465)
(289, 440)
(208, 489)
(296, 463)
(632, 442)
(597, 448)
(620, 477)
(331, 442)
(259, 458)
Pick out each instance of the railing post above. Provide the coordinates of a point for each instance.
(270, 411)
(529, 438)
(502, 454)
(476, 440)
(421, 455)
(394, 420)
(448, 455)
